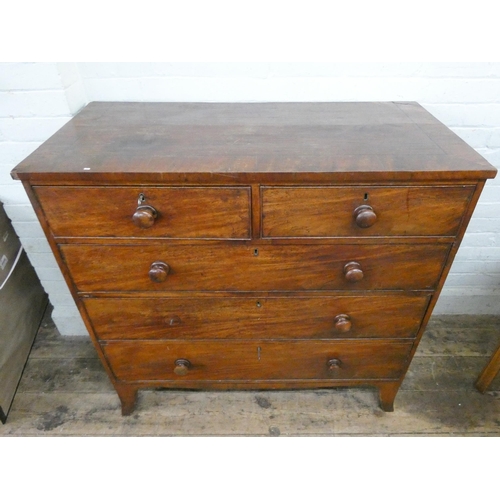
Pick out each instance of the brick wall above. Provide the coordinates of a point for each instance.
(36, 99)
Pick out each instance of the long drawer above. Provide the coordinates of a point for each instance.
(240, 267)
(134, 361)
(306, 317)
(179, 212)
(363, 211)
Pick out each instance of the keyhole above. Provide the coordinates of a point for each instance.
(366, 196)
(141, 199)
(259, 304)
(256, 252)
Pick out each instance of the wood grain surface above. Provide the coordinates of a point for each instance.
(329, 211)
(203, 212)
(237, 267)
(306, 317)
(134, 361)
(200, 142)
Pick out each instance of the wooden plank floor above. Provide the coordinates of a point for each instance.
(65, 392)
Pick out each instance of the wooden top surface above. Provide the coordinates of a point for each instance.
(199, 142)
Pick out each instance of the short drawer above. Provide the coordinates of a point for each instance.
(303, 212)
(373, 316)
(238, 267)
(169, 212)
(134, 361)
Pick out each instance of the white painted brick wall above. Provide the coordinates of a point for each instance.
(36, 99)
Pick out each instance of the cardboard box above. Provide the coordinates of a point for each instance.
(22, 305)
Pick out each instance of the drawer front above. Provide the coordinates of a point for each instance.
(240, 267)
(178, 212)
(135, 361)
(371, 316)
(335, 211)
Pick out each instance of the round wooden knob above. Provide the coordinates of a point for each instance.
(182, 366)
(342, 323)
(334, 364)
(144, 216)
(365, 216)
(158, 272)
(353, 272)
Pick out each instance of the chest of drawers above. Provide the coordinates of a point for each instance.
(254, 246)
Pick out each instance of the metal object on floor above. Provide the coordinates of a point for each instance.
(22, 305)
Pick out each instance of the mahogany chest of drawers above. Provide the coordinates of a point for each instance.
(254, 246)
